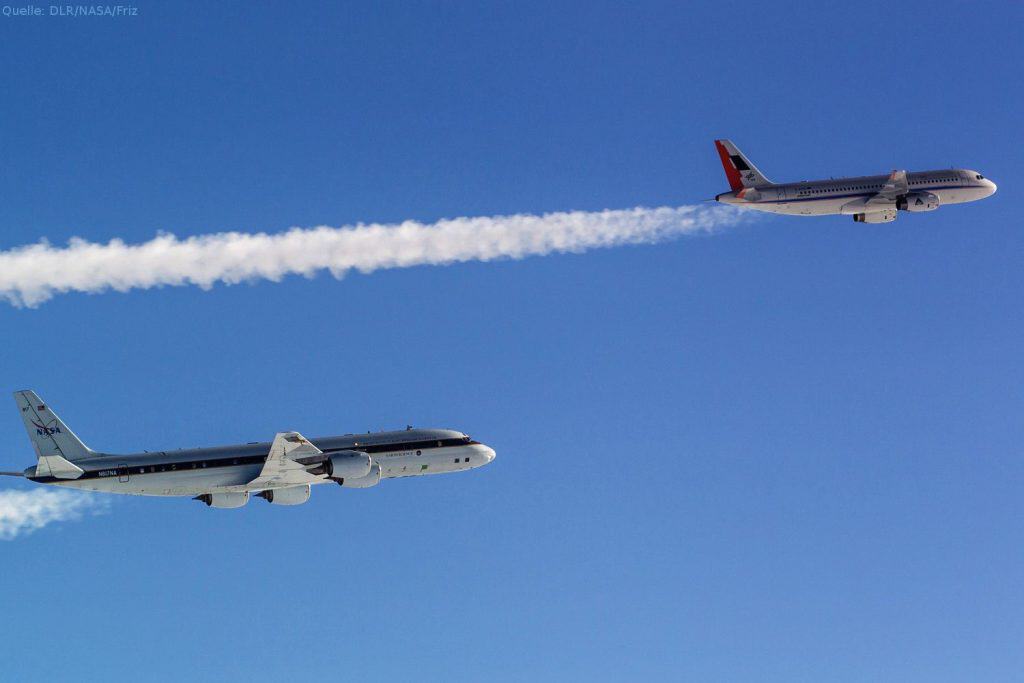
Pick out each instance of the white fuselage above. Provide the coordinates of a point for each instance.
(231, 469)
(846, 195)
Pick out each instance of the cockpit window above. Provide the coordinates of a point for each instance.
(979, 177)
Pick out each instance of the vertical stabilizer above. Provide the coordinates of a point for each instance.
(740, 171)
(50, 436)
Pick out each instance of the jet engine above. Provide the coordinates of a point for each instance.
(371, 479)
(887, 216)
(344, 465)
(917, 201)
(293, 495)
(229, 499)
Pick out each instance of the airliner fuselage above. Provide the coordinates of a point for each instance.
(870, 199)
(197, 471)
(280, 471)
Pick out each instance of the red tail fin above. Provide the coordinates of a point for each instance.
(735, 183)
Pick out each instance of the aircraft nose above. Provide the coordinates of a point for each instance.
(992, 187)
(488, 454)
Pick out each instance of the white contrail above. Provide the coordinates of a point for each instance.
(23, 512)
(32, 274)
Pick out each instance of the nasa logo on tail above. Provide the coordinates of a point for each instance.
(46, 429)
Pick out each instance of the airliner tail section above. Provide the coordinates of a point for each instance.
(50, 437)
(58, 467)
(738, 168)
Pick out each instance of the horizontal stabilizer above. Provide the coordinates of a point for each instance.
(56, 466)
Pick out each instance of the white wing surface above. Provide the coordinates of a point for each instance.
(281, 469)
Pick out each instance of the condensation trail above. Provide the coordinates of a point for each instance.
(22, 512)
(35, 273)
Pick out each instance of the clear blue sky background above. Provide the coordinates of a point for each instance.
(791, 452)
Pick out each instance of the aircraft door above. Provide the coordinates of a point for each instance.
(122, 473)
(781, 196)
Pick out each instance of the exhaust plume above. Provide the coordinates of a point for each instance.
(22, 512)
(32, 274)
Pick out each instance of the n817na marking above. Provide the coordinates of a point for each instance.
(280, 471)
(869, 199)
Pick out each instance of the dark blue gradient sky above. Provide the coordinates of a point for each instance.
(789, 452)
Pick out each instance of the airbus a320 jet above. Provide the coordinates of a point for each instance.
(280, 471)
(869, 199)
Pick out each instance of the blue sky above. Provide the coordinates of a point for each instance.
(787, 452)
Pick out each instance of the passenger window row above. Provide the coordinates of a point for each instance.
(259, 459)
(837, 189)
(823, 190)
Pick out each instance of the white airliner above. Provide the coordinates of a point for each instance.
(869, 199)
(280, 471)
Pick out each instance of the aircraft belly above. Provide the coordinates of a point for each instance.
(821, 207)
(756, 206)
(434, 461)
(443, 459)
(72, 484)
(179, 483)
(219, 478)
(827, 207)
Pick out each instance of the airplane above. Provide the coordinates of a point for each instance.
(281, 472)
(869, 199)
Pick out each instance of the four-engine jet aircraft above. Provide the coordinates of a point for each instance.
(869, 199)
(280, 472)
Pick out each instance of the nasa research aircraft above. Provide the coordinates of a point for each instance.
(869, 199)
(281, 471)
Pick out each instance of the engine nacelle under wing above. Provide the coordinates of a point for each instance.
(371, 479)
(887, 216)
(917, 201)
(293, 495)
(347, 465)
(230, 499)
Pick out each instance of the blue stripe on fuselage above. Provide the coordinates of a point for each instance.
(858, 194)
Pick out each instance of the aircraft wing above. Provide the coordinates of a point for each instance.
(895, 186)
(281, 469)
